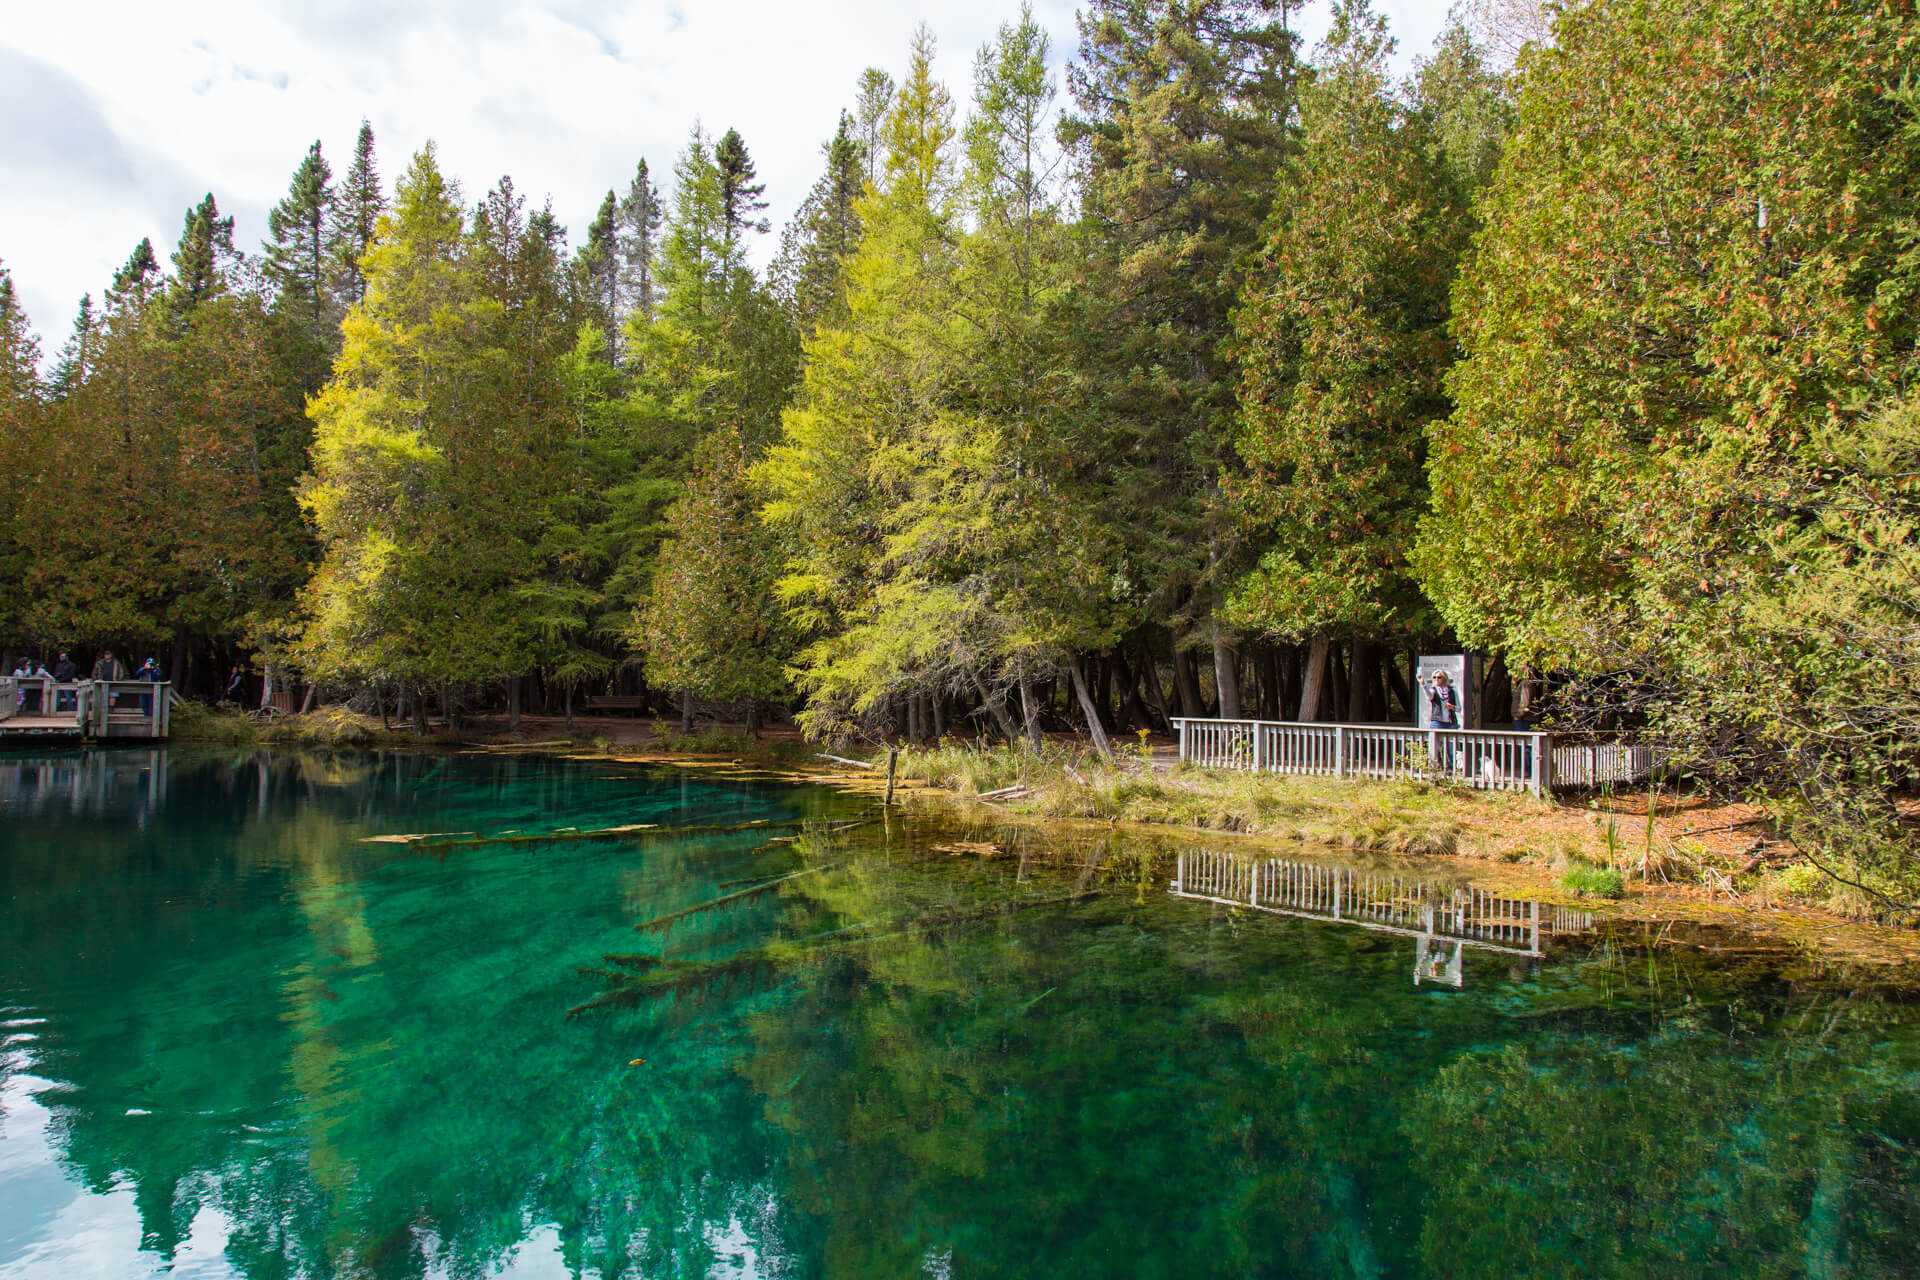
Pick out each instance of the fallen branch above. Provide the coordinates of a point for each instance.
(1019, 788)
(857, 764)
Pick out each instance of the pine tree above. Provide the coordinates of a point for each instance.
(19, 348)
(808, 273)
(641, 215)
(599, 268)
(133, 281)
(357, 207)
(206, 245)
(75, 360)
(298, 266)
(740, 196)
(1182, 120)
(1341, 345)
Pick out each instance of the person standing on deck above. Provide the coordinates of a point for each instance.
(64, 671)
(1443, 712)
(150, 672)
(108, 667)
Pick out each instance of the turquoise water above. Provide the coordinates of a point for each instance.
(241, 1036)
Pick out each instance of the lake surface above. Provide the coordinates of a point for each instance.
(245, 1031)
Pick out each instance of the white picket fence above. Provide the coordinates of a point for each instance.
(1484, 759)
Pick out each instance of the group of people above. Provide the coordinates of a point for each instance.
(64, 671)
(105, 667)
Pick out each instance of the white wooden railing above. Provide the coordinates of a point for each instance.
(1487, 759)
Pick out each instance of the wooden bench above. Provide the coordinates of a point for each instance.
(617, 702)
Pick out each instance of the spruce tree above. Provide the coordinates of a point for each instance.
(19, 348)
(641, 215)
(1341, 346)
(809, 270)
(199, 263)
(296, 260)
(740, 196)
(357, 207)
(1182, 119)
(599, 266)
(75, 360)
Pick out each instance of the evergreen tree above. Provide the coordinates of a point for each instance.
(436, 444)
(1182, 120)
(1693, 294)
(711, 626)
(133, 281)
(299, 268)
(19, 348)
(808, 273)
(206, 245)
(75, 360)
(641, 215)
(357, 207)
(1341, 345)
(599, 266)
(740, 196)
(20, 421)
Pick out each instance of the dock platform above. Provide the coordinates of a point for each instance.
(45, 712)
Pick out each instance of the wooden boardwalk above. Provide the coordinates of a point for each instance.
(46, 712)
(1483, 759)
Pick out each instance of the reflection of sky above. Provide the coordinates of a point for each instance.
(53, 1229)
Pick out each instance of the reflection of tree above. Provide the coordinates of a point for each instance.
(1755, 1142)
(236, 1022)
(894, 1043)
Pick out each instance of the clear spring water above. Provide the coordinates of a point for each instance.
(240, 1037)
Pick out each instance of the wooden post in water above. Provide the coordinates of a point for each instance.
(893, 758)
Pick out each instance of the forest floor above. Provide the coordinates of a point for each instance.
(1690, 860)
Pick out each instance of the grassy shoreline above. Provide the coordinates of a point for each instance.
(1686, 859)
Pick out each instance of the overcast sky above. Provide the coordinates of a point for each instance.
(119, 115)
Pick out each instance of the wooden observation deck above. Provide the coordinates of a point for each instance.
(42, 711)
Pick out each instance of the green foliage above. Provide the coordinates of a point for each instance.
(711, 626)
(1341, 345)
(437, 445)
(1586, 880)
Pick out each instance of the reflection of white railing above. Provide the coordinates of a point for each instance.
(1383, 901)
(1486, 759)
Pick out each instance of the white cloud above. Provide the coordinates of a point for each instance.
(111, 138)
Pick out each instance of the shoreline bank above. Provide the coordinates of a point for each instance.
(1690, 860)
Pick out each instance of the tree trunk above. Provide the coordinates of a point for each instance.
(419, 711)
(686, 714)
(937, 704)
(1226, 676)
(1151, 670)
(1316, 676)
(1397, 688)
(1094, 728)
(753, 717)
(1029, 708)
(1186, 686)
(1357, 682)
(994, 706)
(513, 704)
(566, 703)
(380, 701)
(306, 703)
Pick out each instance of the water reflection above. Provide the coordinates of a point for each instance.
(279, 1040)
(1443, 920)
(129, 782)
